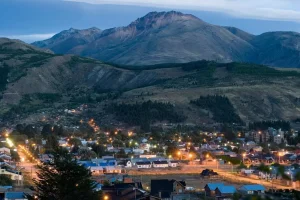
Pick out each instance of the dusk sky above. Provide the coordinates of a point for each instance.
(255, 16)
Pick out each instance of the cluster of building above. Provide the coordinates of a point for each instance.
(111, 165)
(270, 135)
(9, 168)
(222, 191)
(170, 189)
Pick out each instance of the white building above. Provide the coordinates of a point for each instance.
(16, 176)
(160, 164)
(173, 163)
(144, 165)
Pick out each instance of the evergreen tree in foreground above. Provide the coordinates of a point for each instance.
(64, 179)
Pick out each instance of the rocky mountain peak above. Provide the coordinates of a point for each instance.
(158, 19)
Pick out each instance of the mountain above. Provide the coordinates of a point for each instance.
(281, 49)
(36, 84)
(66, 40)
(160, 38)
(164, 37)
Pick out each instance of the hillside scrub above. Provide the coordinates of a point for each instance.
(221, 108)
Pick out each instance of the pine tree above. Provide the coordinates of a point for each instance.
(64, 179)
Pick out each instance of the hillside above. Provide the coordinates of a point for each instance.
(37, 84)
(164, 37)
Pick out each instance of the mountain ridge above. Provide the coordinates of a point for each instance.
(164, 37)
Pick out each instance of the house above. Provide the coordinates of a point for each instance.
(211, 187)
(225, 191)
(148, 156)
(160, 164)
(138, 151)
(4, 156)
(15, 196)
(252, 189)
(5, 150)
(14, 175)
(46, 157)
(173, 163)
(164, 188)
(143, 165)
(124, 191)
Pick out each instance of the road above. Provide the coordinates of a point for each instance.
(26, 165)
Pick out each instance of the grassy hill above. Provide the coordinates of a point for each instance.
(37, 83)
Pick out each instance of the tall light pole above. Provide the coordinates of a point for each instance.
(231, 166)
(244, 158)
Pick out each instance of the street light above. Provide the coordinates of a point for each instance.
(231, 166)
(244, 155)
(279, 154)
(179, 155)
(105, 197)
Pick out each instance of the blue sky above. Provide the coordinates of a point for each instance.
(32, 20)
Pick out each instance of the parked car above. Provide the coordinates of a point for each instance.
(208, 172)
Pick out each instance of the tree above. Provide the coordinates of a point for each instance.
(86, 154)
(5, 180)
(98, 149)
(264, 168)
(58, 130)
(297, 176)
(64, 179)
(51, 143)
(30, 131)
(47, 130)
(15, 156)
(75, 142)
(172, 150)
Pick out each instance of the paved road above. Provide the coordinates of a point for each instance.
(27, 166)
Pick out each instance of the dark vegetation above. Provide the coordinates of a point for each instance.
(264, 125)
(234, 67)
(30, 103)
(146, 113)
(76, 59)
(64, 179)
(5, 180)
(44, 97)
(258, 70)
(3, 77)
(221, 108)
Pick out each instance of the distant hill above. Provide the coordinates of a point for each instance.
(36, 82)
(173, 37)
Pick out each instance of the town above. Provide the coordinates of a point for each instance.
(173, 163)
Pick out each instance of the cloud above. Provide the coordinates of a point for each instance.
(31, 37)
(284, 10)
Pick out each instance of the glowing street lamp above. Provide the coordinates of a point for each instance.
(279, 154)
(179, 155)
